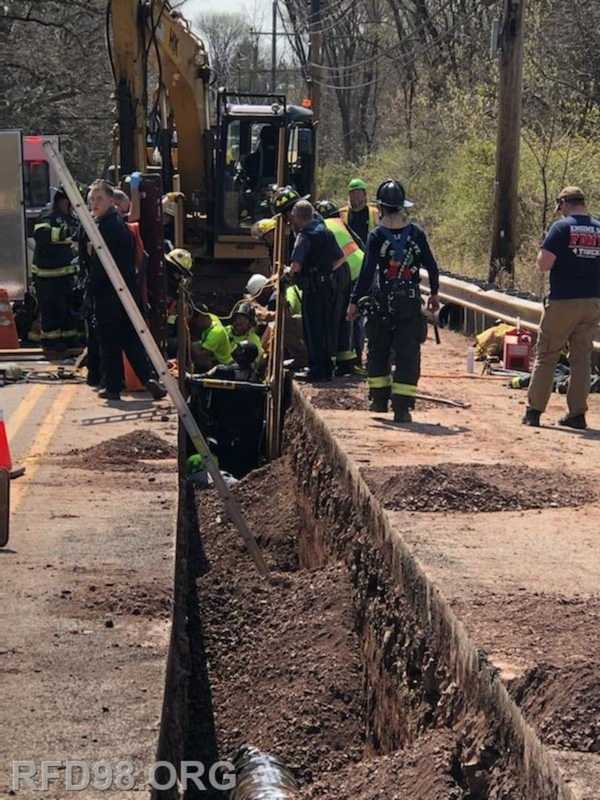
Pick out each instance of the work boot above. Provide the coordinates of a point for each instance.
(402, 415)
(379, 406)
(156, 389)
(578, 422)
(532, 418)
(106, 395)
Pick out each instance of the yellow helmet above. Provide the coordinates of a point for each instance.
(262, 227)
(181, 258)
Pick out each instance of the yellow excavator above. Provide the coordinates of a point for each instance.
(222, 163)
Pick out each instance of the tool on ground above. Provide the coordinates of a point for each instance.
(442, 401)
(231, 505)
(275, 375)
(436, 332)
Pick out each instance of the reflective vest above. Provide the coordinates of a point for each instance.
(354, 255)
(373, 216)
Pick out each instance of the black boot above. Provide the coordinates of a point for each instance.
(156, 389)
(379, 405)
(402, 415)
(578, 422)
(532, 418)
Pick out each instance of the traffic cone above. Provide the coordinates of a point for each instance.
(132, 382)
(5, 459)
(9, 339)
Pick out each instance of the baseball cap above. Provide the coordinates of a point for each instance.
(572, 194)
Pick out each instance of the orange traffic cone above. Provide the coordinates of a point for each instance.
(8, 330)
(132, 382)
(5, 459)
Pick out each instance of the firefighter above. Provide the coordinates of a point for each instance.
(54, 276)
(116, 334)
(351, 336)
(396, 250)
(359, 215)
(315, 256)
(178, 263)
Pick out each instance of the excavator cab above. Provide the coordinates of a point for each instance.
(251, 132)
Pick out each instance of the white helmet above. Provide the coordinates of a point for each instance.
(256, 284)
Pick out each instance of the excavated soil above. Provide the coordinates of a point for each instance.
(124, 451)
(285, 657)
(563, 704)
(349, 394)
(476, 487)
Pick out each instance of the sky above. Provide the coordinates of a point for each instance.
(194, 7)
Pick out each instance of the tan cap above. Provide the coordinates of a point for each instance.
(572, 194)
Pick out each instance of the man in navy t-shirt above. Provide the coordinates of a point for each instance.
(571, 253)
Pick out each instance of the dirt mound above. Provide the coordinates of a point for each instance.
(347, 399)
(125, 450)
(476, 487)
(563, 705)
(137, 601)
(422, 771)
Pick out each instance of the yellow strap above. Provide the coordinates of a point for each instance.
(56, 234)
(404, 389)
(346, 355)
(373, 217)
(41, 225)
(57, 334)
(379, 382)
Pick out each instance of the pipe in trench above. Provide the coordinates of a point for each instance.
(261, 776)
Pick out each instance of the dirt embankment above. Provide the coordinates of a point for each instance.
(326, 666)
(285, 658)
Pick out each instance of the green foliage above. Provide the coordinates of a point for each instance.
(449, 174)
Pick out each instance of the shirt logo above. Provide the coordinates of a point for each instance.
(584, 241)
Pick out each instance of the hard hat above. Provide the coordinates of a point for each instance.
(59, 194)
(245, 353)
(262, 227)
(181, 258)
(256, 284)
(326, 208)
(357, 183)
(284, 199)
(391, 194)
(246, 310)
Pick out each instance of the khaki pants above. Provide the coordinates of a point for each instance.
(575, 322)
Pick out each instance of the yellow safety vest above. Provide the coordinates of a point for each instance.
(373, 215)
(354, 255)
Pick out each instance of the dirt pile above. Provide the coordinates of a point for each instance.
(563, 704)
(476, 487)
(125, 450)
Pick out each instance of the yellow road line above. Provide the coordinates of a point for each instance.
(25, 407)
(44, 436)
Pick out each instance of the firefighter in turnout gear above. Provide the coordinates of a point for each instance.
(359, 215)
(54, 275)
(344, 278)
(389, 278)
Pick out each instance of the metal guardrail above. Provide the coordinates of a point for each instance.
(490, 303)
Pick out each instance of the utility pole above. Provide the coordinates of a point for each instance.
(316, 41)
(274, 50)
(510, 97)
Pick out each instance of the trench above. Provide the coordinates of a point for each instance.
(348, 666)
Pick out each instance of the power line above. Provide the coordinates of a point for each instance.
(407, 59)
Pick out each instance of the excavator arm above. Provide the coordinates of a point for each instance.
(150, 30)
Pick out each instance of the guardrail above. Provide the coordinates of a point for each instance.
(489, 305)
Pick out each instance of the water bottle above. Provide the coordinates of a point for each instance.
(471, 360)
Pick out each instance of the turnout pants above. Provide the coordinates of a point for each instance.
(345, 355)
(575, 322)
(398, 341)
(320, 326)
(117, 336)
(58, 323)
